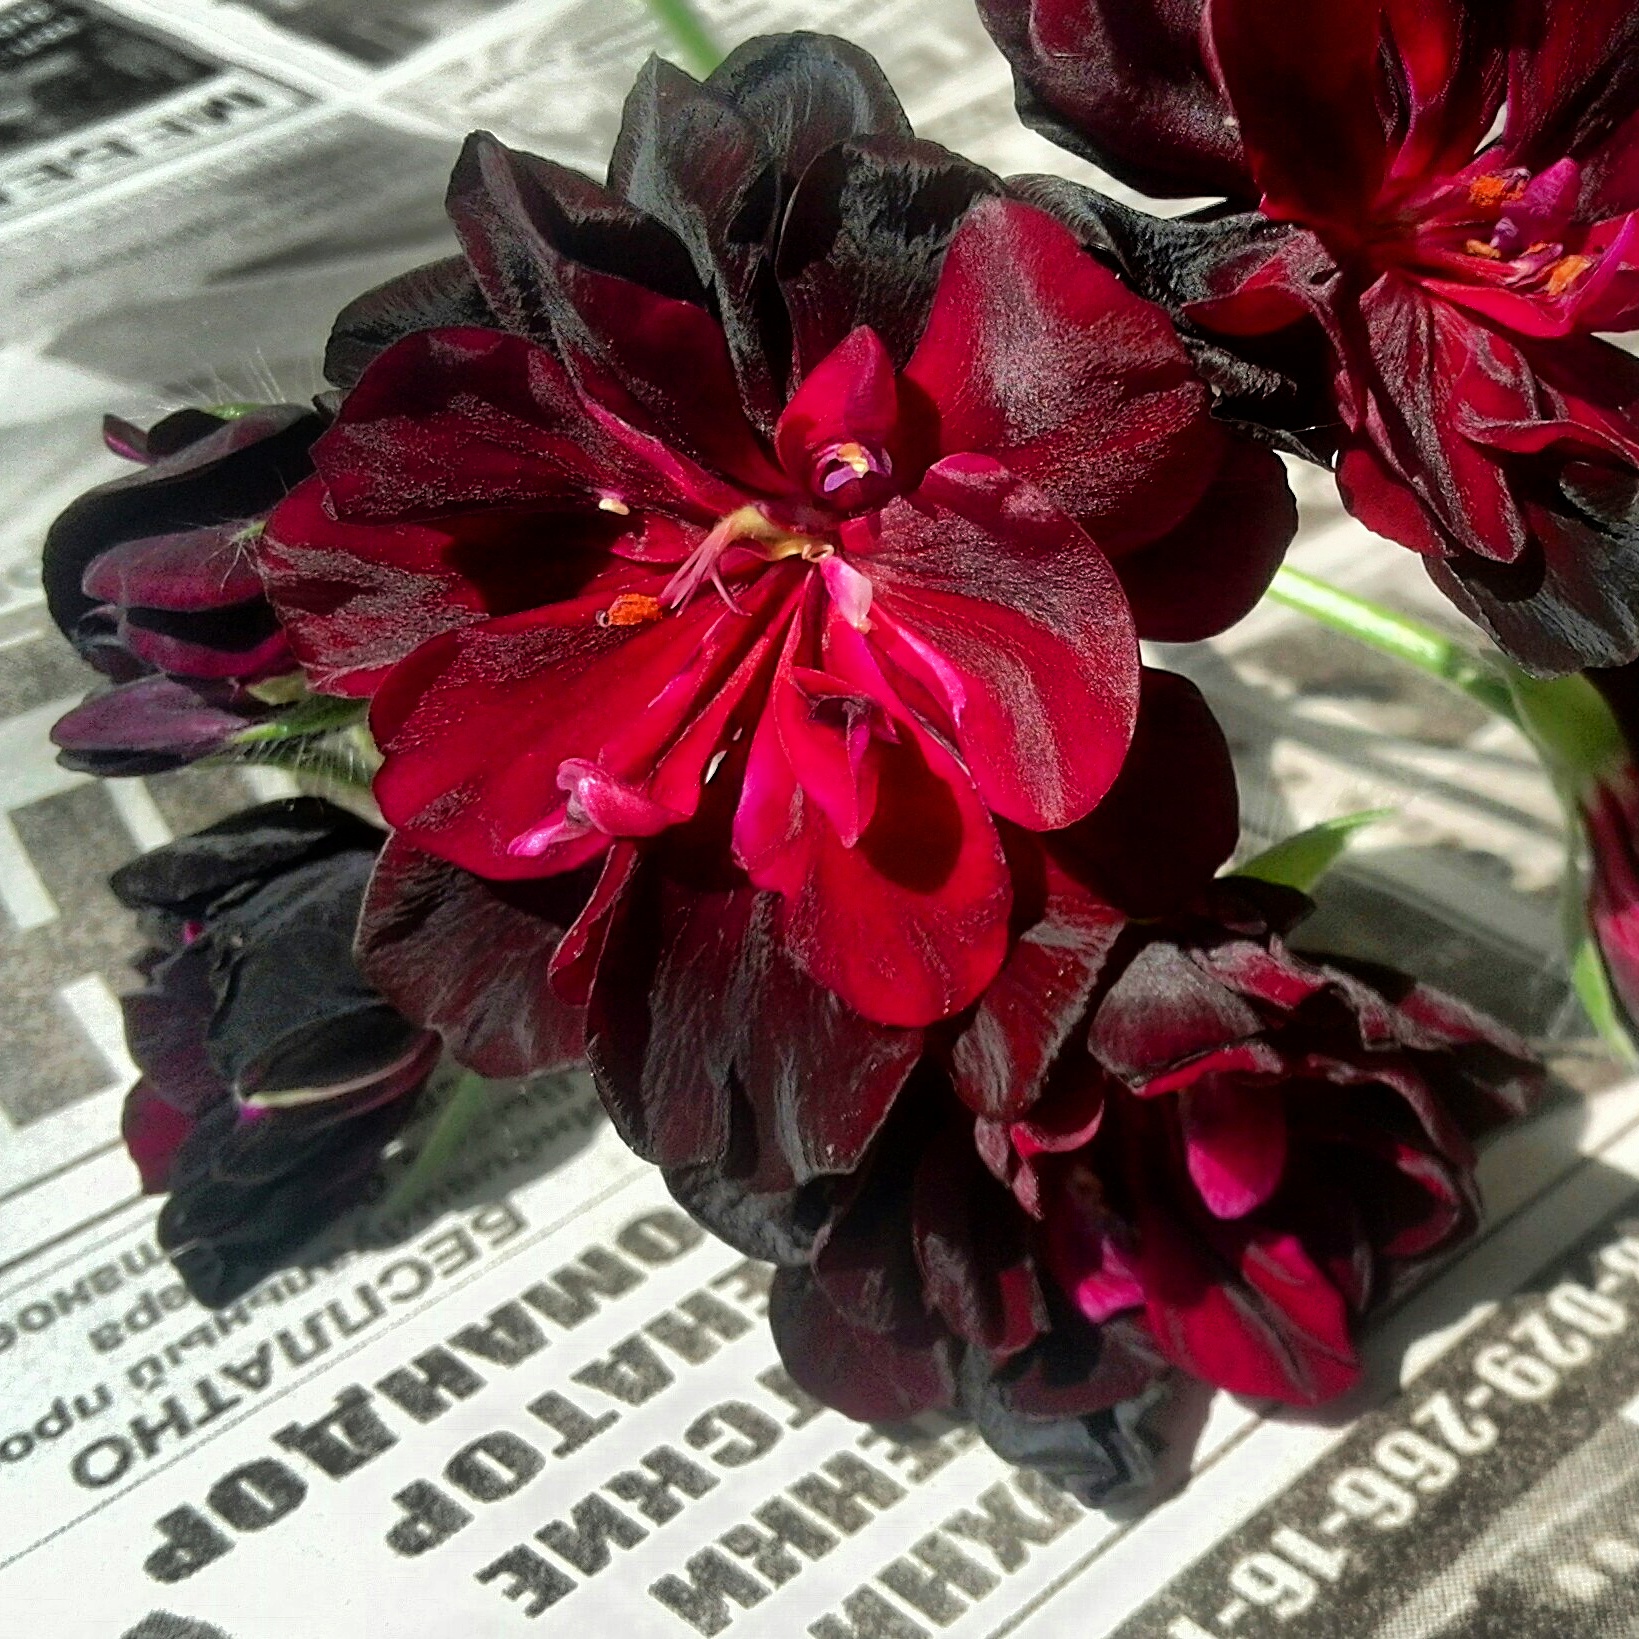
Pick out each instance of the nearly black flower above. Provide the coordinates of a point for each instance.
(272, 1073)
(149, 577)
(1230, 1159)
(1398, 278)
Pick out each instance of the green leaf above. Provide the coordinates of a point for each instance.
(1572, 729)
(1592, 984)
(1302, 860)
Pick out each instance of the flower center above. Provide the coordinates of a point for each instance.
(852, 475)
(746, 529)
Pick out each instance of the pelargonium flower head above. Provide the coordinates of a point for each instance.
(273, 1074)
(1410, 284)
(1237, 1153)
(150, 578)
(797, 465)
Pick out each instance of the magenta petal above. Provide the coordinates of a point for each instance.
(849, 398)
(1253, 1313)
(827, 732)
(477, 724)
(1004, 611)
(1036, 354)
(1235, 1143)
(910, 923)
(153, 1132)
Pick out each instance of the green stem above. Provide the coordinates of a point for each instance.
(1401, 637)
(694, 41)
(467, 1101)
(317, 714)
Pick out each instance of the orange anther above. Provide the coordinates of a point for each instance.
(1488, 192)
(631, 609)
(1565, 273)
(1478, 247)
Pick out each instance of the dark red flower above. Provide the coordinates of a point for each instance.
(1433, 284)
(150, 578)
(1234, 1156)
(272, 1073)
(765, 513)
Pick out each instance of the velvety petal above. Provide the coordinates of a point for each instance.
(1572, 76)
(864, 238)
(297, 1022)
(1452, 64)
(1010, 617)
(910, 923)
(1444, 382)
(253, 843)
(860, 1373)
(1256, 301)
(150, 725)
(1172, 818)
(562, 687)
(1572, 598)
(717, 164)
(230, 475)
(355, 599)
(468, 958)
(451, 419)
(1163, 1011)
(972, 1250)
(240, 643)
(772, 1226)
(614, 289)
(1062, 936)
(850, 396)
(442, 295)
(1209, 571)
(1037, 355)
(192, 569)
(704, 1035)
(1132, 87)
(165, 1025)
(1304, 84)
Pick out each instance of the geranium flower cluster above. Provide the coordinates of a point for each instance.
(743, 564)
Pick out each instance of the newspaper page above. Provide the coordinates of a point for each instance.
(540, 1400)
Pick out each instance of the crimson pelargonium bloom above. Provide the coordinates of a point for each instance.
(797, 459)
(1453, 278)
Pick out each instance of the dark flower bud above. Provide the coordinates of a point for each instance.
(151, 579)
(272, 1073)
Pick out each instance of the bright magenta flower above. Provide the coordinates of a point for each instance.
(861, 549)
